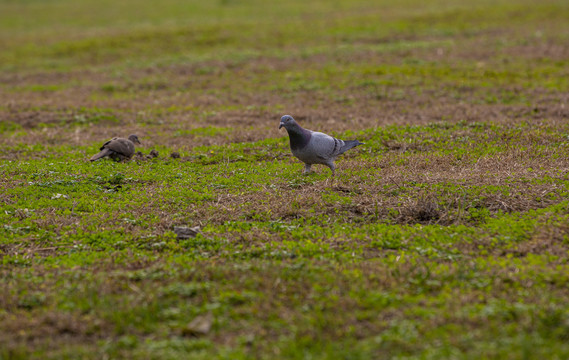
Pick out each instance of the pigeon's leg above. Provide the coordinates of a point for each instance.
(306, 170)
(332, 167)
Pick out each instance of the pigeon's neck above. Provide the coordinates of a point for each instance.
(299, 137)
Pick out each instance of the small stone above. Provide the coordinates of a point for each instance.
(175, 155)
(186, 232)
(153, 153)
(201, 325)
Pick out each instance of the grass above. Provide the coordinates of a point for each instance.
(444, 236)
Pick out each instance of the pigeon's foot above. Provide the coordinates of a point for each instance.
(306, 169)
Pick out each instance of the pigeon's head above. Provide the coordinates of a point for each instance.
(134, 139)
(287, 122)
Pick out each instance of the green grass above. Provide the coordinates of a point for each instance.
(444, 236)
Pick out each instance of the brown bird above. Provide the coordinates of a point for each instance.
(118, 149)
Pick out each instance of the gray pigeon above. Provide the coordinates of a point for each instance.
(118, 149)
(314, 147)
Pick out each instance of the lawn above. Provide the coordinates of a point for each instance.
(445, 236)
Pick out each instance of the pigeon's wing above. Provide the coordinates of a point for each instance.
(122, 146)
(107, 143)
(325, 146)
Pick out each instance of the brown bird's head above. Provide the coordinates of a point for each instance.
(134, 139)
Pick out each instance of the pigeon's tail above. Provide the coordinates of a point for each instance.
(349, 144)
(102, 154)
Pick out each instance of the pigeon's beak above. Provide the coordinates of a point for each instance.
(281, 125)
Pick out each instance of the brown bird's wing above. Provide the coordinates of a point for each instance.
(121, 146)
(107, 143)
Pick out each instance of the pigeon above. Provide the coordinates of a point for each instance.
(118, 149)
(313, 147)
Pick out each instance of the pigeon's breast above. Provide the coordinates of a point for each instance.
(299, 140)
